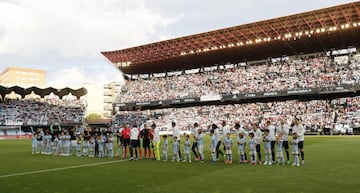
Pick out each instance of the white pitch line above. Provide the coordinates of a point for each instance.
(57, 169)
(66, 168)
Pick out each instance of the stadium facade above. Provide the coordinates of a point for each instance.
(24, 77)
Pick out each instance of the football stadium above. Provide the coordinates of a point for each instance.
(268, 106)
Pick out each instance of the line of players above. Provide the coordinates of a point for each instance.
(72, 142)
(271, 136)
(128, 139)
(100, 143)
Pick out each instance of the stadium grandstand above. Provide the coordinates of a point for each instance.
(22, 108)
(305, 65)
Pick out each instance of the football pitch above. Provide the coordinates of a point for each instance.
(332, 164)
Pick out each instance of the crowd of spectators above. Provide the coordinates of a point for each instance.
(315, 115)
(41, 111)
(294, 73)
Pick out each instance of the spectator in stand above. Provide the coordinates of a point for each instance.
(288, 74)
(315, 114)
(40, 112)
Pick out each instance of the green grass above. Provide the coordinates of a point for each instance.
(332, 165)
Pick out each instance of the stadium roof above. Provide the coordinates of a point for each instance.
(41, 92)
(315, 31)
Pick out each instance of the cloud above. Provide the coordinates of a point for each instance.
(66, 37)
(75, 27)
(205, 15)
(75, 77)
(72, 76)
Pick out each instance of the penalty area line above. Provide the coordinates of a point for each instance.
(62, 168)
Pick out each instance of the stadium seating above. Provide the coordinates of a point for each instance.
(295, 73)
(315, 114)
(41, 112)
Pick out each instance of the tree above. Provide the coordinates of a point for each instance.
(93, 116)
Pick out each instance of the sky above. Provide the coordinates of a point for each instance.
(65, 37)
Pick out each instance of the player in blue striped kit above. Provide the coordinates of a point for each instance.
(92, 147)
(39, 135)
(213, 144)
(252, 148)
(86, 138)
(78, 145)
(279, 147)
(240, 129)
(295, 149)
(299, 129)
(110, 145)
(85, 147)
(101, 142)
(187, 155)
(283, 129)
(61, 143)
(257, 137)
(34, 143)
(47, 143)
(175, 150)
(67, 144)
(267, 147)
(200, 141)
(165, 147)
(56, 145)
(228, 148)
(241, 141)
